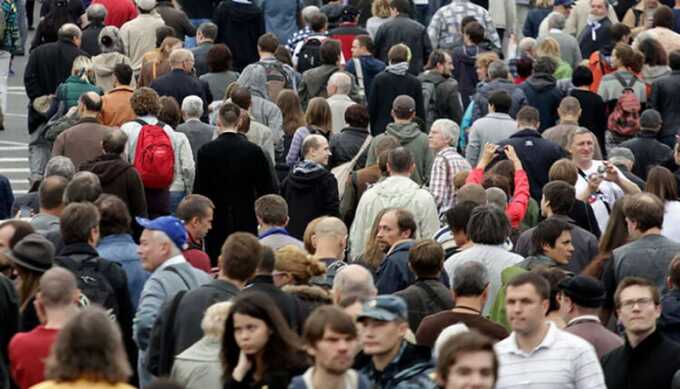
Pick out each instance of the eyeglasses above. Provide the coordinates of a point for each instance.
(641, 302)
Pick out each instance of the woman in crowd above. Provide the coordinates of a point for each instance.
(656, 62)
(614, 236)
(295, 272)
(549, 47)
(88, 354)
(381, 14)
(346, 144)
(111, 55)
(170, 112)
(318, 118)
(259, 350)
(160, 64)
(293, 118)
(81, 80)
(661, 182)
(220, 75)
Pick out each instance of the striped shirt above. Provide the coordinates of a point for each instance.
(446, 165)
(561, 361)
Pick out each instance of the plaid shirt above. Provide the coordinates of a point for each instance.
(444, 29)
(446, 165)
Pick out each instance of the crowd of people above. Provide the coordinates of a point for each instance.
(387, 194)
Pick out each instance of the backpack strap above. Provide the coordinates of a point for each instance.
(432, 294)
(360, 73)
(174, 270)
(622, 81)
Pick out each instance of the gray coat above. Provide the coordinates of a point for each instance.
(197, 132)
(199, 366)
(570, 52)
(492, 128)
(646, 257)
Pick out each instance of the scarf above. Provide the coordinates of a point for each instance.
(399, 69)
(594, 26)
(307, 166)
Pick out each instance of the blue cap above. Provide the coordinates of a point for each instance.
(566, 3)
(170, 225)
(384, 308)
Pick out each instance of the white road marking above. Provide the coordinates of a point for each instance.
(15, 170)
(13, 160)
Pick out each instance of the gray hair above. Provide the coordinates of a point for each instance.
(161, 236)
(450, 129)
(214, 318)
(470, 279)
(621, 155)
(192, 106)
(84, 187)
(354, 281)
(498, 69)
(180, 55)
(557, 21)
(308, 11)
(69, 31)
(96, 13)
(496, 197)
(342, 81)
(60, 166)
(109, 40)
(526, 44)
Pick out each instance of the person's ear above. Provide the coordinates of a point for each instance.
(546, 306)
(669, 283)
(76, 296)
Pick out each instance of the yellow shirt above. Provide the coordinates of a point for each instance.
(80, 384)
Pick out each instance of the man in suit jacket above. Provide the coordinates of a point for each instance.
(232, 172)
(205, 37)
(596, 35)
(198, 132)
(179, 83)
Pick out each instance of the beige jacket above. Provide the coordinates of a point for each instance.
(578, 18)
(139, 36)
(669, 39)
(503, 13)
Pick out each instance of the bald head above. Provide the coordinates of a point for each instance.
(58, 288)
(330, 238)
(569, 108)
(353, 281)
(90, 103)
(330, 226)
(114, 142)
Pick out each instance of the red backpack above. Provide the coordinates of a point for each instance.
(154, 156)
(625, 118)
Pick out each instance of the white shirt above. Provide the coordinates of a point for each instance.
(176, 260)
(671, 221)
(607, 195)
(560, 361)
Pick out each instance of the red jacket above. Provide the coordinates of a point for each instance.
(195, 255)
(118, 11)
(27, 353)
(518, 204)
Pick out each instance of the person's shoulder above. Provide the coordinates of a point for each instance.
(573, 342)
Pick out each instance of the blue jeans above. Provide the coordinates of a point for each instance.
(189, 41)
(22, 22)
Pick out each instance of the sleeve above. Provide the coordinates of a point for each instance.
(359, 229)
(303, 93)
(268, 145)
(188, 167)
(517, 207)
(609, 281)
(428, 160)
(438, 180)
(523, 245)
(58, 147)
(373, 103)
(151, 300)
(125, 310)
(433, 29)
(429, 219)
(587, 370)
(31, 83)
(473, 147)
(476, 176)
(275, 124)
(527, 29)
(378, 44)
(653, 101)
(427, 48)
(295, 147)
(420, 105)
(388, 280)
(264, 183)
(188, 28)
(371, 158)
(199, 184)
(449, 102)
(136, 195)
(332, 199)
(491, 31)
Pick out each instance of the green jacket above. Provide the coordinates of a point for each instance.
(70, 91)
(413, 140)
(563, 71)
(497, 312)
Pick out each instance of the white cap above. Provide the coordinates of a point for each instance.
(146, 5)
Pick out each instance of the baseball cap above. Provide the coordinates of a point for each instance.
(404, 103)
(33, 252)
(566, 3)
(384, 308)
(146, 5)
(170, 225)
(583, 290)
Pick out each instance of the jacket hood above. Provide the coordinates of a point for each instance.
(245, 12)
(309, 293)
(104, 63)
(107, 167)
(652, 73)
(670, 308)
(395, 191)
(469, 54)
(306, 178)
(542, 81)
(405, 133)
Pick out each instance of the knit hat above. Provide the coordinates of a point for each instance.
(584, 291)
(33, 252)
(145, 5)
(650, 120)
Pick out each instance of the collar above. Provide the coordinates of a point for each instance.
(647, 345)
(261, 279)
(583, 318)
(273, 231)
(498, 115)
(121, 88)
(446, 150)
(87, 120)
(555, 31)
(176, 260)
(526, 133)
(78, 248)
(546, 343)
(647, 134)
(340, 97)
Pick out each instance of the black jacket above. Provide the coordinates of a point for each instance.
(289, 305)
(198, 9)
(648, 152)
(543, 94)
(48, 66)
(537, 155)
(200, 58)
(651, 364)
(346, 144)
(309, 194)
(665, 100)
(187, 326)
(425, 297)
(403, 29)
(9, 306)
(602, 38)
(90, 39)
(593, 114)
(464, 70)
(178, 84)
(385, 88)
(233, 173)
(447, 102)
(239, 26)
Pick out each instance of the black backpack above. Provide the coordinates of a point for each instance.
(94, 286)
(309, 56)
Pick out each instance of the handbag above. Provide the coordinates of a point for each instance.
(343, 171)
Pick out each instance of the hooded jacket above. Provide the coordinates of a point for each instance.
(394, 192)
(239, 25)
(485, 91)
(103, 69)
(384, 89)
(310, 191)
(119, 178)
(413, 140)
(543, 94)
(464, 70)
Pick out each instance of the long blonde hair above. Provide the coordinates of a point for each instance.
(83, 68)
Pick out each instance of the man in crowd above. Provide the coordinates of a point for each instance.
(395, 191)
(96, 14)
(231, 172)
(353, 281)
(569, 112)
(596, 35)
(443, 139)
(440, 89)
(314, 80)
(395, 237)
(196, 211)
(565, 360)
(205, 38)
(542, 92)
(116, 108)
(648, 151)
(160, 252)
(271, 212)
(179, 82)
(338, 89)
(56, 303)
(363, 65)
(51, 199)
(386, 358)
(467, 360)
(494, 127)
(279, 75)
(139, 34)
(470, 289)
(580, 299)
(570, 52)
(663, 100)
(198, 132)
(330, 241)
(647, 359)
(498, 80)
(444, 29)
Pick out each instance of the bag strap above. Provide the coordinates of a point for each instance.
(432, 294)
(367, 141)
(623, 82)
(174, 270)
(360, 73)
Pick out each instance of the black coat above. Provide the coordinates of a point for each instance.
(233, 173)
(346, 144)
(648, 152)
(176, 19)
(90, 39)
(403, 29)
(385, 88)
(602, 38)
(9, 306)
(198, 9)
(309, 195)
(425, 297)
(543, 94)
(239, 26)
(593, 114)
(664, 99)
(651, 364)
(48, 66)
(289, 306)
(178, 84)
(537, 155)
(200, 58)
